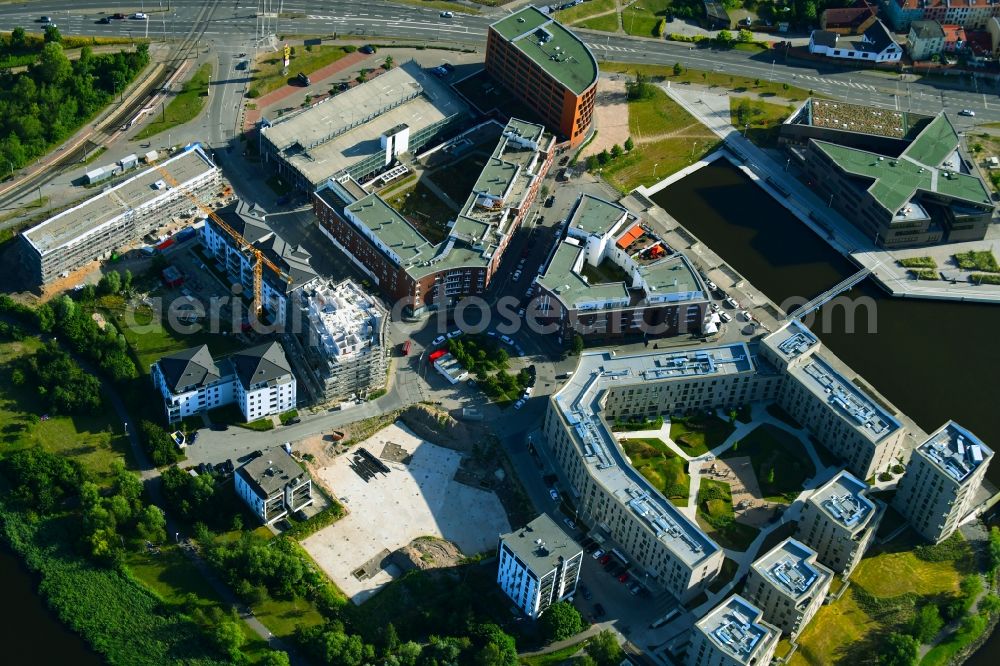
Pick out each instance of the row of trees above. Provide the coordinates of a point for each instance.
(45, 104)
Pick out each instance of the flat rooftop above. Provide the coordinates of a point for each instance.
(844, 499)
(101, 209)
(671, 279)
(919, 168)
(349, 321)
(562, 277)
(580, 403)
(736, 628)
(792, 340)
(595, 217)
(850, 402)
(271, 472)
(848, 117)
(955, 451)
(791, 568)
(560, 53)
(343, 130)
(541, 544)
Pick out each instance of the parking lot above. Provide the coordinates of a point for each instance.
(417, 497)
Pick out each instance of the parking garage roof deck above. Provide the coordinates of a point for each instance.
(559, 52)
(955, 451)
(791, 568)
(844, 498)
(580, 403)
(848, 401)
(107, 206)
(737, 628)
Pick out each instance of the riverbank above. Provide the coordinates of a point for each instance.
(713, 110)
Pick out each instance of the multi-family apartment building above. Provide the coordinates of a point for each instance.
(900, 14)
(248, 220)
(788, 585)
(660, 293)
(420, 275)
(821, 394)
(925, 39)
(939, 486)
(538, 565)
(849, 20)
(259, 380)
(733, 633)
(875, 45)
(547, 67)
(119, 216)
(273, 485)
(839, 521)
(362, 131)
(665, 546)
(341, 339)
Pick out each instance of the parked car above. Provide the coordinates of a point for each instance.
(605, 559)
(454, 334)
(967, 112)
(623, 578)
(726, 317)
(438, 340)
(598, 554)
(569, 523)
(550, 201)
(448, 67)
(711, 285)
(193, 438)
(303, 79)
(519, 404)
(732, 302)
(715, 307)
(119, 16)
(634, 587)
(517, 275)
(293, 420)
(506, 340)
(554, 494)
(367, 48)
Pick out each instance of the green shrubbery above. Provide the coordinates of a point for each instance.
(977, 261)
(158, 445)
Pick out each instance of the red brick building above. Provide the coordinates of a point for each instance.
(548, 68)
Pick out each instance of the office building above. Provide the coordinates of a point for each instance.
(259, 380)
(875, 45)
(900, 178)
(119, 216)
(939, 486)
(839, 521)
(825, 396)
(547, 67)
(539, 565)
(733, 633)
(273, 485)
(341, 340)
(665, 547)
(422, 276)
(362, 131)
(660, 293)
(788, 585)
(237, 262)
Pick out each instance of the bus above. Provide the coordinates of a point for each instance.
(406, 348)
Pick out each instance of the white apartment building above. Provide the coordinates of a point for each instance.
(118, 216)
(733, 633)
(341, 338)
(788, 585)
(259, 380)
(839, 521)
(667, 548)
(539, 565)
(940, 483)
(273, 485)
(248, 220)
(819, 393)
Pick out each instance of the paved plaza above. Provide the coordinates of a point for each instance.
(417, 497)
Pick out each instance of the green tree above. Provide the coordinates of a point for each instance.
(53, 67)
(496, 647)
(593, 163)
(724, 38)
(228, 636)
(127, 282)
(52, 35)
(994, 549)
(678, 69)
(110, 283)
(604, 649)
(577, 344)
(899, 650)
(560, 621)
(770, 475)
(744, 36)
(407, 654)
(152, 525)
(390, 639)
(629, 144)
(603, 157)
(926, 624)
(387, 64)
(616, 151)
(18, 39)
(661, 27)
(990, 604)
(809, 10)
(275, 658)
(732, 416)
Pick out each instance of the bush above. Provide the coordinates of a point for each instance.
(350, 48)
(984, 278)
(560, 621)
(62, 384)
(661, 27)
(952, 549)
(979, 261)
(158, 445)
(926, 623)
(884, 476)
(41, 481)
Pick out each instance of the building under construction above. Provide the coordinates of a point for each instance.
(341, 341)
(118, 216)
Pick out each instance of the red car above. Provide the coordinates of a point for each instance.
(623, 578)
(605, 560)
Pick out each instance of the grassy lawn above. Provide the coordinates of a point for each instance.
(641, 18)
(764, 118)
(716, 516)
(917, 262)
(699, 433)
(586, 10)
(556, 658)
(714, 79)
(656, 115)
(778, 459)
(284, 616)
(95, 441)
(887, 574)
(441, 4)
(834, 629)
(184, 107)
(267, 69)
(605, 272)
(425, 210)
(458, 179)
(977, 261)
(605, 23)
(662, 467)
(260, 425)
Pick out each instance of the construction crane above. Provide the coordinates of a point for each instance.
(259, 260)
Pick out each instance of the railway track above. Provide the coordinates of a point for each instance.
(114, 125)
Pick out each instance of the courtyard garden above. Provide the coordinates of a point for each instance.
(779, 461)
(663, 468)
(699, 432)
(717, 518)
(425, 210)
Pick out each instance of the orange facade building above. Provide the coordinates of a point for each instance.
(548, 68)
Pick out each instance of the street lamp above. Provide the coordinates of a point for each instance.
(772, 70)
(654, 170)
(830, 202)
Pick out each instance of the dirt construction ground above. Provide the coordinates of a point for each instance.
(416, 498)
(610, 116)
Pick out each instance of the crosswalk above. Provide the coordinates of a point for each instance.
(838, 82)
(608, 47)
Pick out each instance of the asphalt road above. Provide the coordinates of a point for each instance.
(232, 27)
